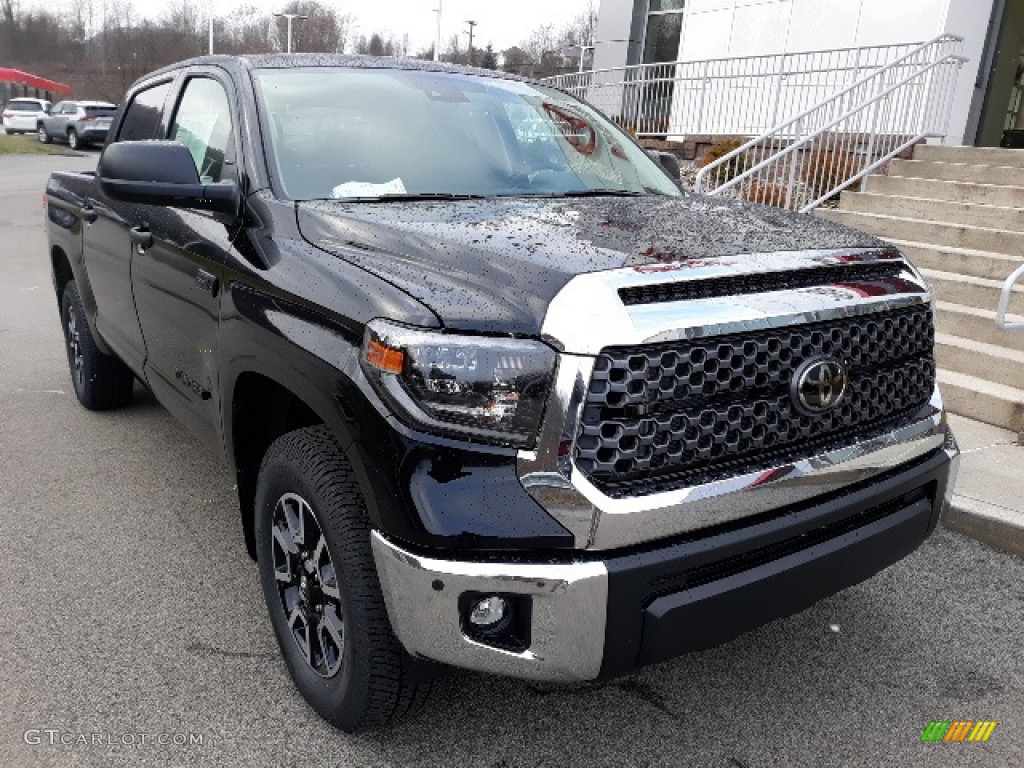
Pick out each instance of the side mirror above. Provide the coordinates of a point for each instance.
(669, 163)
(161, 173)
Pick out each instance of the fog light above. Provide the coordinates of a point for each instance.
(487, 612)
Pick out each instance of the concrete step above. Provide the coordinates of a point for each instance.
(976, 324)
(964, 172)
(951, 235)
(942, 211)
(1009, 158)
(984, 361)
(955, 191)
(985, 401)
(978, 292)
(963, 261)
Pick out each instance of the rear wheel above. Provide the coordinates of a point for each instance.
(73, 141)
(44, 137)
(101, 381)
(321, 587)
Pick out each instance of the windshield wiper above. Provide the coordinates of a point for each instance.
(403, 197)
(590, 193)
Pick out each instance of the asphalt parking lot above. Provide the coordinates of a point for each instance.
(131, 608)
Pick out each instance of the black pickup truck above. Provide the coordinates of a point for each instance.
(498, 395)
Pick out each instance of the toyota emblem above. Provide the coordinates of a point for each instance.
(819, 385)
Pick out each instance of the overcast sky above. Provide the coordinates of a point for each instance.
(501, 22)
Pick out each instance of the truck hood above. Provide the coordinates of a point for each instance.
(493, 266)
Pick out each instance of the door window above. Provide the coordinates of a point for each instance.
(203, 124)
(143, 115)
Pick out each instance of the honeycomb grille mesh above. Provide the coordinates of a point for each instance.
(687, 413)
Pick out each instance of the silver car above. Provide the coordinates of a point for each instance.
(77, 122)
(22, 115)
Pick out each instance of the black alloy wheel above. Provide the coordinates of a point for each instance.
(76, 361)
(307, 585)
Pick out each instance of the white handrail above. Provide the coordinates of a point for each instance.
(811, 137)
(888, 120)
(1004, 302)
(724, 96)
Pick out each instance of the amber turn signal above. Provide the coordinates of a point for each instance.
(384, 357)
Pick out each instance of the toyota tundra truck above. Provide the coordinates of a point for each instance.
(497, 393)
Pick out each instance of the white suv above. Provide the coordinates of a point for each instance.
(22, 115)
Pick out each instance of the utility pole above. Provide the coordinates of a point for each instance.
(437, 42)
(471, 24)
(290, 17)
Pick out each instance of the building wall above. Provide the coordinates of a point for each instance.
(733, 28)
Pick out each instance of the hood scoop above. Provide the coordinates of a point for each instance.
(889, 265)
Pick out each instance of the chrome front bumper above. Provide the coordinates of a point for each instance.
(572, 623)
(568, 612)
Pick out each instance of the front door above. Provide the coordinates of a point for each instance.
(177, 270)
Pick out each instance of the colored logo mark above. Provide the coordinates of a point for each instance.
(958, 730)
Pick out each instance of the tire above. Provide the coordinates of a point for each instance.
(73, 141)
(44, 137)
(102, 382)
(359, 676)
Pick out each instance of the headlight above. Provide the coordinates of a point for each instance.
(491, 390)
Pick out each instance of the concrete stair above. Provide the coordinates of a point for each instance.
(958, 214)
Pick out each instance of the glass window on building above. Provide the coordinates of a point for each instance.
(663, 30)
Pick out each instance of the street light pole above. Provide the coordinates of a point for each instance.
(472, 25)
(290, 17)
(437, 42)
(209, 48)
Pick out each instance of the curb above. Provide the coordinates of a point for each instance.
(997, 527)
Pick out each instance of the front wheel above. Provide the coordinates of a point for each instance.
(101, 381)
(321, 587)
(44, 137)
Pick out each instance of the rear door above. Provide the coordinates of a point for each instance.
(178, 278)
(63, 118)
(108, 237)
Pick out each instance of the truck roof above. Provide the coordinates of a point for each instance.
(305, 60)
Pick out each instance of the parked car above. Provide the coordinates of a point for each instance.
(22, 115)
(496, 395)
(79, 123)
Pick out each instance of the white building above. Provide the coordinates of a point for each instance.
(987, 99)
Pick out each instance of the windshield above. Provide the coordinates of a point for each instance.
(379, 133)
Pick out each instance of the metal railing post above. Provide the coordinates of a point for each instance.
(794, 164)
(703, 96)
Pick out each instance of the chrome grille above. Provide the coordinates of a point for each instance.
(684, 413)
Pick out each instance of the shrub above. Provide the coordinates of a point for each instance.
(765, 193)
(823, 170)
(734, 167)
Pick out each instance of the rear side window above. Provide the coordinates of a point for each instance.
(143, 116)
(100, 111)
(24, 106)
